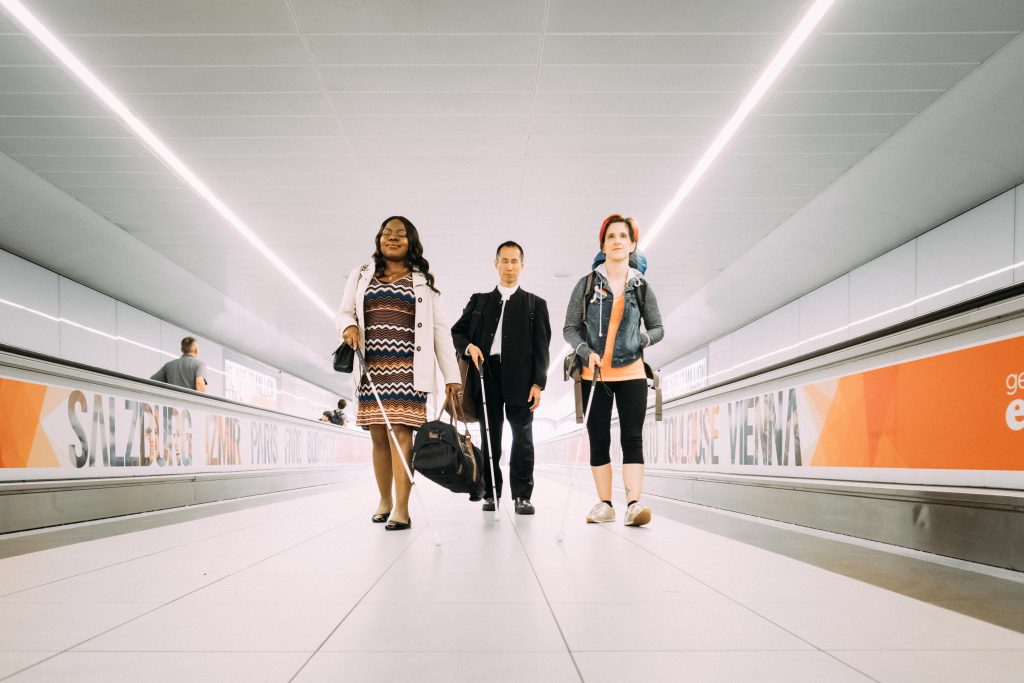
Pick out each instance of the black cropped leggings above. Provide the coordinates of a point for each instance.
(630, 397)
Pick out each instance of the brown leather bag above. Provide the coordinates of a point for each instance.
(465, 409)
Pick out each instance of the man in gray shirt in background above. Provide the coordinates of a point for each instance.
(187, 371)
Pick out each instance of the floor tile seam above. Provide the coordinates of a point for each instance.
(931, 558)
(551, 609)
(743, 606)
(405, 549)
(158, 552)
(158, 607)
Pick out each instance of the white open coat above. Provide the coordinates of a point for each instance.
(433, 337)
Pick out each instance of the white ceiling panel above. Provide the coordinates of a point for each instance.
(349, 49)
(824, 103)
(212, 79)
(64, 104)
(874, 76)
(809, 144)
(122, 182)
(626, 125)
(906, 48)
(719, 104)
(18, 50)
(441, 179)
(107, 17)
(428, 78)
(652, 16)
(430, 164)
(191, 50)
(629, 143)
(237, 104)
(688, 48)
(649, 78)
(866, 124)
(35, 79)
(44, 146)
(59, 126)
(93, 165)
(244, 126)
(435, 125)
(885, 16)
(398, 16)
(282, 164)
(440, 144)
(433, 103)
(305, 146)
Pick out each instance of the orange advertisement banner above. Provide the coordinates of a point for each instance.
(958, 410)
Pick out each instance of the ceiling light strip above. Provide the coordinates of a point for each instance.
(771, 73)
(793, 43)
(48, 40)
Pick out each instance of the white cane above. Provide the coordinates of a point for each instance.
(490, 456)
(572, 472)
(394, 439)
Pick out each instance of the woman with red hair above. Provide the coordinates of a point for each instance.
(603, 325)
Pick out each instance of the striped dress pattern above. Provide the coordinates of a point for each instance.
(389, 310)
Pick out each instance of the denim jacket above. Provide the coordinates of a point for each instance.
(590, 336)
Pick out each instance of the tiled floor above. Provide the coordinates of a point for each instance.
(305, 588)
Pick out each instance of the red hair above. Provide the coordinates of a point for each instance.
(631, 224)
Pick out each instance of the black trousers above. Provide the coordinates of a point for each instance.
(630, 398)
(520, 419)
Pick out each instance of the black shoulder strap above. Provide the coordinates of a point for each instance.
(474, 323)
(586, 295)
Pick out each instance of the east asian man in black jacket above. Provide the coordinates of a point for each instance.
(507, 332)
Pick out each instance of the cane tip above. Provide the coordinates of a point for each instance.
(437, 540)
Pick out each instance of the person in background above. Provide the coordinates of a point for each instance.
(603, 326)
(339, 417)
(188, 371)
(326, 417)
(392, 310)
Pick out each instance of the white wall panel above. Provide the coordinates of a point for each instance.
(970, 245)
(747, 344)
(780, 331)
(720, 359)
(26, 284)
(87, 307)
(825, 311)
(143, 328)
(885, 283)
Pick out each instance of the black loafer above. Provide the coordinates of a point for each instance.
(380, 517)
(524, 506)
(398, 526)
(488, 505)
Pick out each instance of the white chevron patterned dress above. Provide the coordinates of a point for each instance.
(390, 313)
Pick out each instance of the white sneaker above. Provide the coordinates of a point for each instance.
(602, 512)
(637, 515)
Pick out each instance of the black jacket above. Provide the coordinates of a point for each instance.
(524, 345)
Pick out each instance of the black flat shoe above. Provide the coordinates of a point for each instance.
(488, 505)
(524, 506)
(398, 526)
(380, 517)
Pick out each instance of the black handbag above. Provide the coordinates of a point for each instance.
(448, 458)
(344, 357)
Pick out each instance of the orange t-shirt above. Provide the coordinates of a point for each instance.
(634, 370)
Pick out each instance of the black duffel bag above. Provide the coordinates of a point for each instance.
(448, 458)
